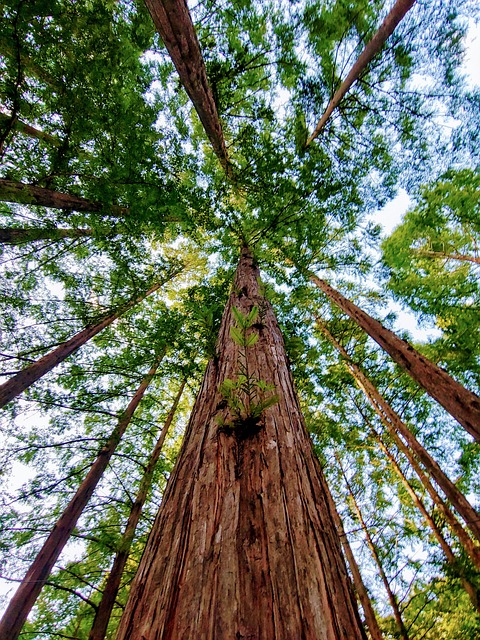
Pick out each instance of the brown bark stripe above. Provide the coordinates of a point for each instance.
(462, 404)
(398, 11)
(244, 544)
(173, 22)
(27, 593)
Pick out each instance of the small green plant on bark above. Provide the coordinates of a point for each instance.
(247, 397)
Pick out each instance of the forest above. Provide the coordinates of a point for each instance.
(231, 405)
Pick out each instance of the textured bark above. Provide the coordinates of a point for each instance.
(36, 577)
(174, 24)
(394, 424)
(30, 131)
(398, 11)
(446, 548)
(462, 404)
(105, 607)
(34, 234)
(25, 378)
(22, 193)
(373, 550)
(360, 588)
(244, 544)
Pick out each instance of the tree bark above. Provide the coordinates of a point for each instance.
(33, 234)
(398, 11)
(446, 256)
(105, 607)
(25, 378)
(174, 24)
(462, 404)
(30, 131)
(394, 424)
(373, 550)
(446, 548)
(244, 544)
(22, 602)
(22, 193)
(360, 588)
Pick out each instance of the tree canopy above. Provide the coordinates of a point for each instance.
(130, 165)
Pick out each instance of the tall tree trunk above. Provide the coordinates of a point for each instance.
(441, 255)
(398, 11)
(174, 24)
(104, 610)
(28, 130)
(394, 424)
(462, 404)
(446, 548)
(373, 550)
(33, 234)
(22, 193)
(25, 378)
(360, 588)
(244, 544)
(8, 49)
(22, 602)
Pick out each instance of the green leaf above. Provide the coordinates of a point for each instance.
(237, 336)
(251, 340)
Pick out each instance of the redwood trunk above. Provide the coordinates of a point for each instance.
(34, 234)
(394, 424)
(360, 588)
(174, 24)
(25, 378)
(446, 548)
(28, 130)
(22, 602)
(462, 404)
(104, 609)
(244, 544)
(373, 550)
(447, 256)
(398, 11)
(22, 193)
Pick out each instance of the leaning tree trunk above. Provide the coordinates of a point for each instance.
(174, 24)
(25, 378)
(244, 544)
(22, 235)
(105, 606)
(397, 614)
(395, 424)
(26, 129)
(450, 556)
(397, 13)
(360, 588)
(21, 193)
(462, 404)
(441, 255)
(22, 602)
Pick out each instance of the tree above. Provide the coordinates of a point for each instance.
(129, 155)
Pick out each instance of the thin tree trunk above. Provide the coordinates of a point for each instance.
(360, 588)
(31, 67)
(373, 550)
(447, 550)
(462, 404)
(174, 24)
(22, 193)
(25, 378)
(33, 234)
(398, 11)
(244, 544)
(22, 602)
(30, 131)
(394, 424)
(446, 256)
(104, 609)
